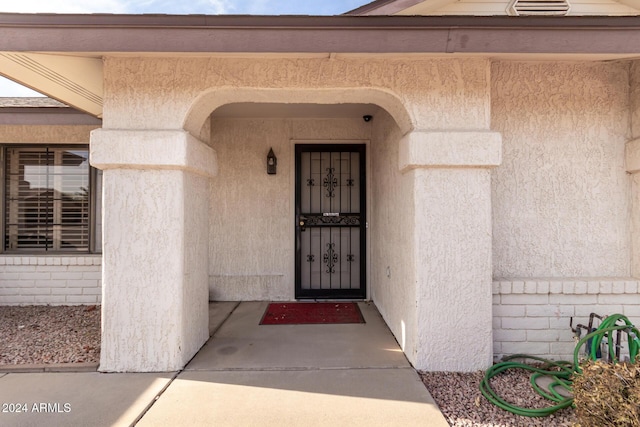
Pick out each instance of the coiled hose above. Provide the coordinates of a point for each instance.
(560, 371)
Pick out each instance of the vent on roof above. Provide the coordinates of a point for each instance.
(538, 7)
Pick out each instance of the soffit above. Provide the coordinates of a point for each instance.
(385, 7)
(74, 80)
(631, 3)
(426, 7)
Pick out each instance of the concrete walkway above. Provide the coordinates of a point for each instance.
(246, 375)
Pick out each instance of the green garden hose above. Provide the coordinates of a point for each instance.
(561, 371)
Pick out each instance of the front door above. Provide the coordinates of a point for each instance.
(330, 221)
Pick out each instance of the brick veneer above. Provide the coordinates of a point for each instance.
(55, 280)
(532, 316)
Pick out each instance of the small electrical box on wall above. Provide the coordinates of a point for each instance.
(272, 162)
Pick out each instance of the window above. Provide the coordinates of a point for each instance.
(48, 199)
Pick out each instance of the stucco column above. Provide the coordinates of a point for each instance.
(632, 162)
(451, 173)
(155, 250)
(633, 167)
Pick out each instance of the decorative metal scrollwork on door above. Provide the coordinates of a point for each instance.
(344, 219)
(330, 258)
(330, 182)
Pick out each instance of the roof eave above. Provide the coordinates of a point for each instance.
(60, 55)
(100, 34)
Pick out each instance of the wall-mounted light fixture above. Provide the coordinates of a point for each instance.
(272, 162)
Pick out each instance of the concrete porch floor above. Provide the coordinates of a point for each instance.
(246, 375)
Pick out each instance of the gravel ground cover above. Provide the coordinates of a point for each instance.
(69, 334)
(459, 398)
(49, 334)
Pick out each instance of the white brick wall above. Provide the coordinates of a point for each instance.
(47, 279)
(532, 316)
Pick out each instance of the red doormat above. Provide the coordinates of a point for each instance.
(301, 313)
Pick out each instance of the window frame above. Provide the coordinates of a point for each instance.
(93, 176)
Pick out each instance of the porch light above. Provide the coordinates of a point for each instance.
(272, 162)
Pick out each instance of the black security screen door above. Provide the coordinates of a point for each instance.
(330, 221)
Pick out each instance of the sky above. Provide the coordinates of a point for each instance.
(177, 7)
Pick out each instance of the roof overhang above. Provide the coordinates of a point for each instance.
(60, 55)
(74, 80)
(97, 35)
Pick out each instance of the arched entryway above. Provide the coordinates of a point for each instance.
(258, 249)
(430, 154)
(208, 101)
(226, 226)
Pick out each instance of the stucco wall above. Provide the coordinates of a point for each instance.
(454, 262)
(164, 93)
(251, 222)
(564, 206)
(561, 198)
(251, 232)
(195, 293)
(154, 300)
(157, 93)
(634, 98)
(393, 284)
(635, 225)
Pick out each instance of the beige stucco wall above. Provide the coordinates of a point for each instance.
(634, 98)
(633, 165)
(635, 226)
(252, 213)
(154, 297)
(127, 296)
(393, 284)
(195, 293)
(167, 93)
(561, 198)
(157, 93)
(453, 241)
(251, 221)
(565, 207)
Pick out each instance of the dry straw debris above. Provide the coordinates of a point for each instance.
(607, 395)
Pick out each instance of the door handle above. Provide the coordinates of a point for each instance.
(302, 225)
